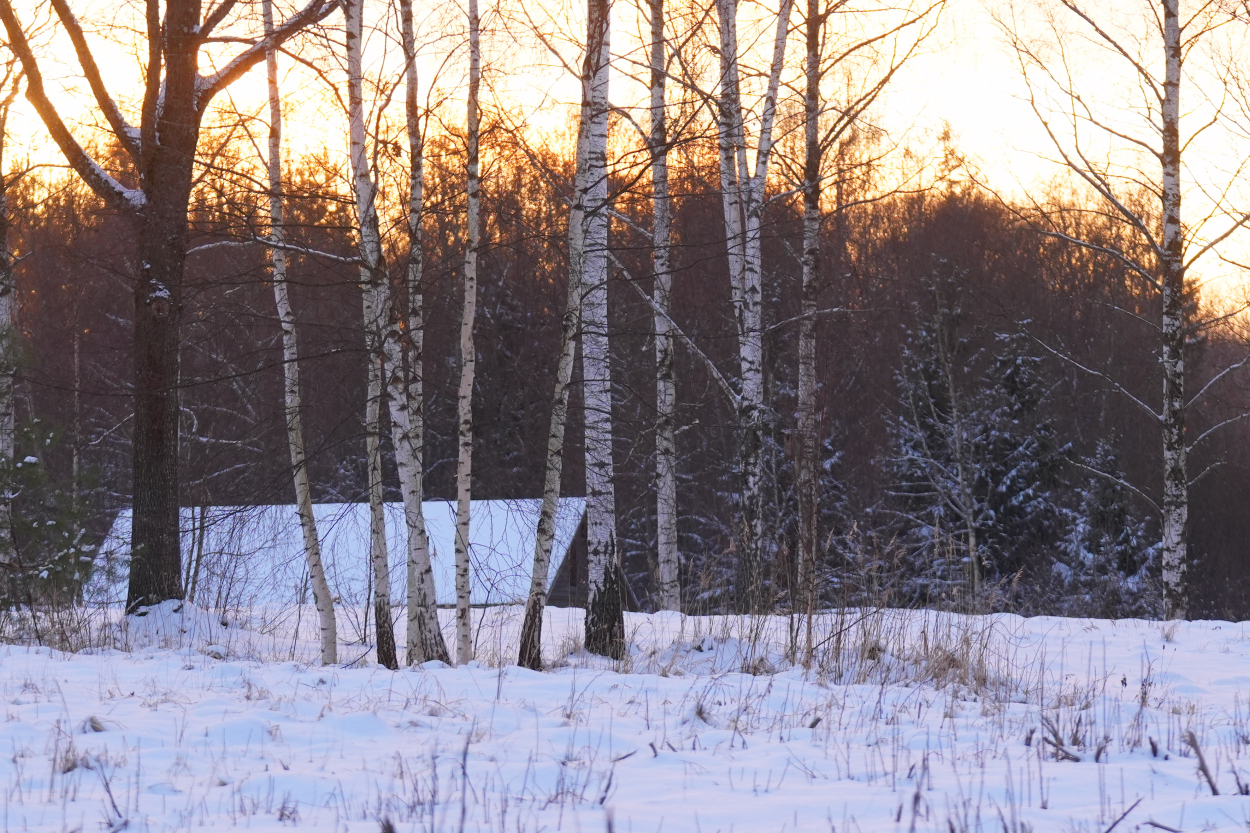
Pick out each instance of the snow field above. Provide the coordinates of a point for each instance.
(907, 721)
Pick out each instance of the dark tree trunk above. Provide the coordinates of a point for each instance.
(167, 175)
(605, 605)
(155, 573)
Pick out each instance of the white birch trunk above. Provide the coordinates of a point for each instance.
(605, 625)
(373, 287)
(728, 113)
(378, 555)
(805, 579)
(292, 406)
(1172, 279)
(743, 201)
(404, 387)
(468, 357)
(668, 558)
(403, 392)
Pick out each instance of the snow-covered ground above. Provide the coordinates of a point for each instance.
(905, 721)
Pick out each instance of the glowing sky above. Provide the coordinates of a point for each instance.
(967, 78)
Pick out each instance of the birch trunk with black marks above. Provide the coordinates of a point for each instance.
(292, 406)
(404, 385)
(1172, 361)
(743, 202)
(605, 624)
(668, 557)
(468, 357)
(806, 485)
(379, 558)
(374, 302)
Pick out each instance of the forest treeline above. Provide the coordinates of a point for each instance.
(791, 356)
(959, 384)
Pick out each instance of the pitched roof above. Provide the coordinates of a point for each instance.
(253, 555)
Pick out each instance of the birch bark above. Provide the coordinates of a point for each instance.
(468, 357)
(405, 388)
(605, 624)
(373, 291)
(292, 406)
(665, 389)
(378, 555)
(807, 440)
(1172, 281)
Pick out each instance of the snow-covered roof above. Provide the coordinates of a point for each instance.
(253, 555)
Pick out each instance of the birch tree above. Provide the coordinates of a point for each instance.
(161, 151)
(668, 557)
(587, 312)
(291, 405)
(374, 301)
(468, 357)
(1093, 144)
(530, 653)
(405, 385)
(743, 201)
(605, 624)
(806, 485)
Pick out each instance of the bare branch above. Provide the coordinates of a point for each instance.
(813, 314)
(1215, 379)
(1119, 256)
(315, 11)
(1217, 464)
(1120, 388)
(126, 135)
(273, 244)
(215, 17)
(108, 188)
(719, 377)
(1239, 223)
(1117, 480)
(1138, 318)
(1142, 72)
(1207, 433)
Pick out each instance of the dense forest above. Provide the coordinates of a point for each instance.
(941, 311)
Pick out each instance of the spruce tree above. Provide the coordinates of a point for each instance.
(976, 463)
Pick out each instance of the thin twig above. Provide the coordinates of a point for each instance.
(1154, 823)
(1123, 816)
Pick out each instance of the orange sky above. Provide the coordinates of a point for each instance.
(967, 79)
